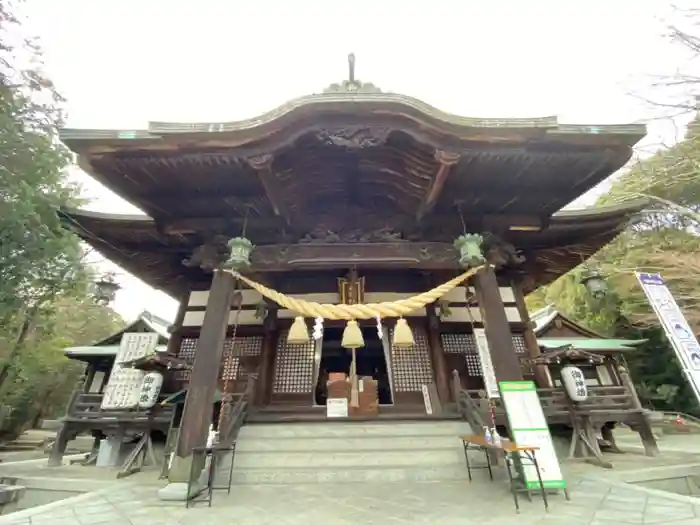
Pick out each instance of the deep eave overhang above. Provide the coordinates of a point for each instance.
(135, 243)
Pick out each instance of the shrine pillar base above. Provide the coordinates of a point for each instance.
(179, 487)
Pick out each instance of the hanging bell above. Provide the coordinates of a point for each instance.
(352, 335)
(403, 337)
(299, 332)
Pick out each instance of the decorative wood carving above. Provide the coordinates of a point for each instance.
(428, 256)
(210, 255)
(500, 253)
(321, 236)
(263, 165)
(354, 137)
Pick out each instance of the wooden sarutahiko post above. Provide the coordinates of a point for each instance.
(201, 391)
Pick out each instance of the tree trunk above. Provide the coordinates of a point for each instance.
(24, 332)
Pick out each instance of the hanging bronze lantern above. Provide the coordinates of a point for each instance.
(239, 257)
(595, 283)
(106, 289)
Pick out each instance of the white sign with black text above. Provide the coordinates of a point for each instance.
(482, 345)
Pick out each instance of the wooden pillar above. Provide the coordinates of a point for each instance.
(197, 414)
(267, 355)
(506, 364)
(437, 355)
(176, 328)
(89, 377)
(531, 344)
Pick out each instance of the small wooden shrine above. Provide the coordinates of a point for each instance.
(350, 232)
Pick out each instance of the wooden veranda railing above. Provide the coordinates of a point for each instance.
(86, 407)
(604, 402)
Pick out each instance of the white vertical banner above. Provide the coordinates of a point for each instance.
(675, 325)
(482, 345)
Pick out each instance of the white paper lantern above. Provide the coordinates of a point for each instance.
(150, 389)
(574, 383)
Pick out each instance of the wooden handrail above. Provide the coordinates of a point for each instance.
(466, 406)
(233, 421)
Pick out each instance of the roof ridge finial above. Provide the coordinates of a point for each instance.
(351, 68)
(352, 84)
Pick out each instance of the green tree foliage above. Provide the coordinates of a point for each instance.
(44, 281)
(664, 239)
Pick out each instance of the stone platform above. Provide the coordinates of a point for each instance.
(597, 497)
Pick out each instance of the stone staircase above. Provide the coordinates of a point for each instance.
(349, 452)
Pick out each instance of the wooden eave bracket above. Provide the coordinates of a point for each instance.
(446, 160)
(262, 164)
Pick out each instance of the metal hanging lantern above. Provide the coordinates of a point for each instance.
(106, 289)
(469, 246)
(595, 283)
(239, 257)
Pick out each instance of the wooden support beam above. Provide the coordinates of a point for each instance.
(197, 414)
(437, 355)
(446, 161)
(268, 354)
(506, 364)
(263, 165)
(531, 344)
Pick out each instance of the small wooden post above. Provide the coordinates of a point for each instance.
(533, 347)
(176, 330)
(506, 364)
(437, 355)
(267, 355)
(643, 426)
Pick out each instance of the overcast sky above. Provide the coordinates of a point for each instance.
(123, 63)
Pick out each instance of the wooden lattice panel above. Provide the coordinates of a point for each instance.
(519, 344)
(459, 344)
(294, 367)
(411, 367)
(243, 347)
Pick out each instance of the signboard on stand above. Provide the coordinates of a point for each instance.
(678, 332)
(123, 389)
(529, 427)
(482, 345)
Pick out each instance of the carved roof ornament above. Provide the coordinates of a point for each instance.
(500, 253)
(322, 236)
(352, 85)
(354, 137)
(210, 255)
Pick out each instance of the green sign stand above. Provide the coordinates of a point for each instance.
(529, 427)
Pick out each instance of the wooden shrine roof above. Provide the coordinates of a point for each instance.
(351, 166)
(139, 246)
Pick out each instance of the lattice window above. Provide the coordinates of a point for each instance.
(519, 344)
(294, 368)
(244, 347)
(411, 366)
(473, 365)
(459, 344)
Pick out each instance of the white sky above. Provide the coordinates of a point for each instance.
(123, 63)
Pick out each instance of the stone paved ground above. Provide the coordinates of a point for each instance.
(597, 498)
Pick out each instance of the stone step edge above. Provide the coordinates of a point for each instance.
(240, 451)
(356, 468)
(244, 437)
